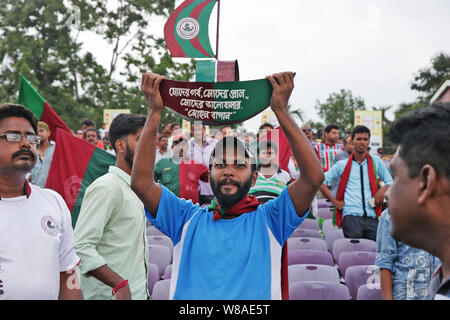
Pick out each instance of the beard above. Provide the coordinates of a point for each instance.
(226, 200)
(129, 156)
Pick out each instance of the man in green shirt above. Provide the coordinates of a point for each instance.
(180, 174)
(110, 234)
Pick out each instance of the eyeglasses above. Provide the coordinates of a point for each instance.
(17, 137)
(306, 130)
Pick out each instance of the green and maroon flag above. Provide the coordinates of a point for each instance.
(30, 98)
(186, 31)
(216, 103)
(216, 70)
(75, 165)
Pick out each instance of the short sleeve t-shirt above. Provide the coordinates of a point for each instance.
(237, 258)
(36, 244)
(266, 189)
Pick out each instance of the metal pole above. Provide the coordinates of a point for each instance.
(217, 31)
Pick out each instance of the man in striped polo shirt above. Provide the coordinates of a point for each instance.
(272, 180)
(328, 148)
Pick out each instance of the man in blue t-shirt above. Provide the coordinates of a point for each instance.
(232, 249)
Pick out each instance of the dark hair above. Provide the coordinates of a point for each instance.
(346, 137)
(250, 134)
(360, 129)
(330, 127)
(90, 129)
(423, 136)
(88, 123)
(179, 141)
(238, 145)
(162, 136)
(266, 144)
(8, 110)
(266, 124)
(125, 124)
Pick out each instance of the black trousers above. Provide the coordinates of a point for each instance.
(360, 227)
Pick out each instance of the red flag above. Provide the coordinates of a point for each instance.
(30, 98)
(75, 165)
(284, 150)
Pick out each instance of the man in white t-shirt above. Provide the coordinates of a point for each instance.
(37, 259)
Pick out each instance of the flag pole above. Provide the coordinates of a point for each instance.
(217, 30)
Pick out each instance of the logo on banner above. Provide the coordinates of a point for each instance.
(188, 28)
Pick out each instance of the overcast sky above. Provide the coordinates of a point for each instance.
(372, 48)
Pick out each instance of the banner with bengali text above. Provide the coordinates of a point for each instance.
(216, 103)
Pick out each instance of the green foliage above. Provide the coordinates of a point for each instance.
(40, 39)
(427, 81)
(339, 109)
(297, 113)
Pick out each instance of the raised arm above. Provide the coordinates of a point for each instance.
(304, 188)
(142, 174)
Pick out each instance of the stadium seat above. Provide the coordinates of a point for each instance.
(325, 213)
(347, 244)
(331, 236)
(327, 225)
(153, 276)
(356, 276)
(312, 272)
(153, 231)
(161, 290)
(159, 255)
(310, 257)
(162, 241)
(168, 272)
(318, 290)
(369, 292)
(355, 258)
(306, 233)
(309, 223)
(306, 243)
(324, 203)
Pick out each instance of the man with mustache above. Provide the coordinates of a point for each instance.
(110, 235)
(232, 249)
(37, 259)
(91, 136)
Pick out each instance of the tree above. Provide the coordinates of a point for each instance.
(339, 109)
(298, 113)
(427, 81)
(38, 40)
